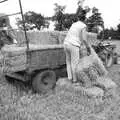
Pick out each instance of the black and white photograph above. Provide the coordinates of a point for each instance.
(59, 60)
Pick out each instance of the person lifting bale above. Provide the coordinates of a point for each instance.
(74, 44)
(90, 73)
(83, 64)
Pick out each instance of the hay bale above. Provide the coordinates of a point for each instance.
(39, 37)
(85, 72)
(92, 73)
(106, 82)
(62, 36)
(94, 91)
(89, 69)
(50, 37)
(63, 82)
(98, 62)
(98, 68)
(83, 78)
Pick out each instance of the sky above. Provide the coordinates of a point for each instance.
(109, 9)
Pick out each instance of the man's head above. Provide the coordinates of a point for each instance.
(82, 16)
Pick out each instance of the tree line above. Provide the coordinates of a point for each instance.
(110, 33)
(62, 20)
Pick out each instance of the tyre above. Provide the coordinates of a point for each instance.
(44, 81)
(109, 60)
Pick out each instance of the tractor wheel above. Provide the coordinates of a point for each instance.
(44, 81)
(109, 60)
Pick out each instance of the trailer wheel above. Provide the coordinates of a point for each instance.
(44, 81)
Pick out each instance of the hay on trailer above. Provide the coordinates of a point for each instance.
(41, 37)
(50, 37)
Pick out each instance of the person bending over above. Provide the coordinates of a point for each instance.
(75, 39)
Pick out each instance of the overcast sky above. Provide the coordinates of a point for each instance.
(110, 9)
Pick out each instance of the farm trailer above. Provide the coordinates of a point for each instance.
(45, 64)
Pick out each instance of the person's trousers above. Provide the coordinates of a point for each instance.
(72, 58)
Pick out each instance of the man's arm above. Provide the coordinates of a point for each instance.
(84, 37)
(92, 51)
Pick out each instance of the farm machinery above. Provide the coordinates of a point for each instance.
(106, 52)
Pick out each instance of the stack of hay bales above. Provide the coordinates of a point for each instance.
(50, 37)
(41, 37)
(90, 72)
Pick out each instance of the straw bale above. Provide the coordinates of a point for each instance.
(50, 37)
(92, 73)
(84, 62)
(39, 37)
(63, 82)
(106, 82)
(83, 78)
(62, 36)
(13, 50)
(98, 69)
(94, 91)
(89, 69)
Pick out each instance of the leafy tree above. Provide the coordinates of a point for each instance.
(64, 21)
(82, 12)
(110, 33)
(32, 20)
(95, 20)
(59, 17)
(118, 28)
(69, 19)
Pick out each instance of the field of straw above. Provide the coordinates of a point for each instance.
(18, 102)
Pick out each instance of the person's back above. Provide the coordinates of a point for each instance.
(74, 35)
